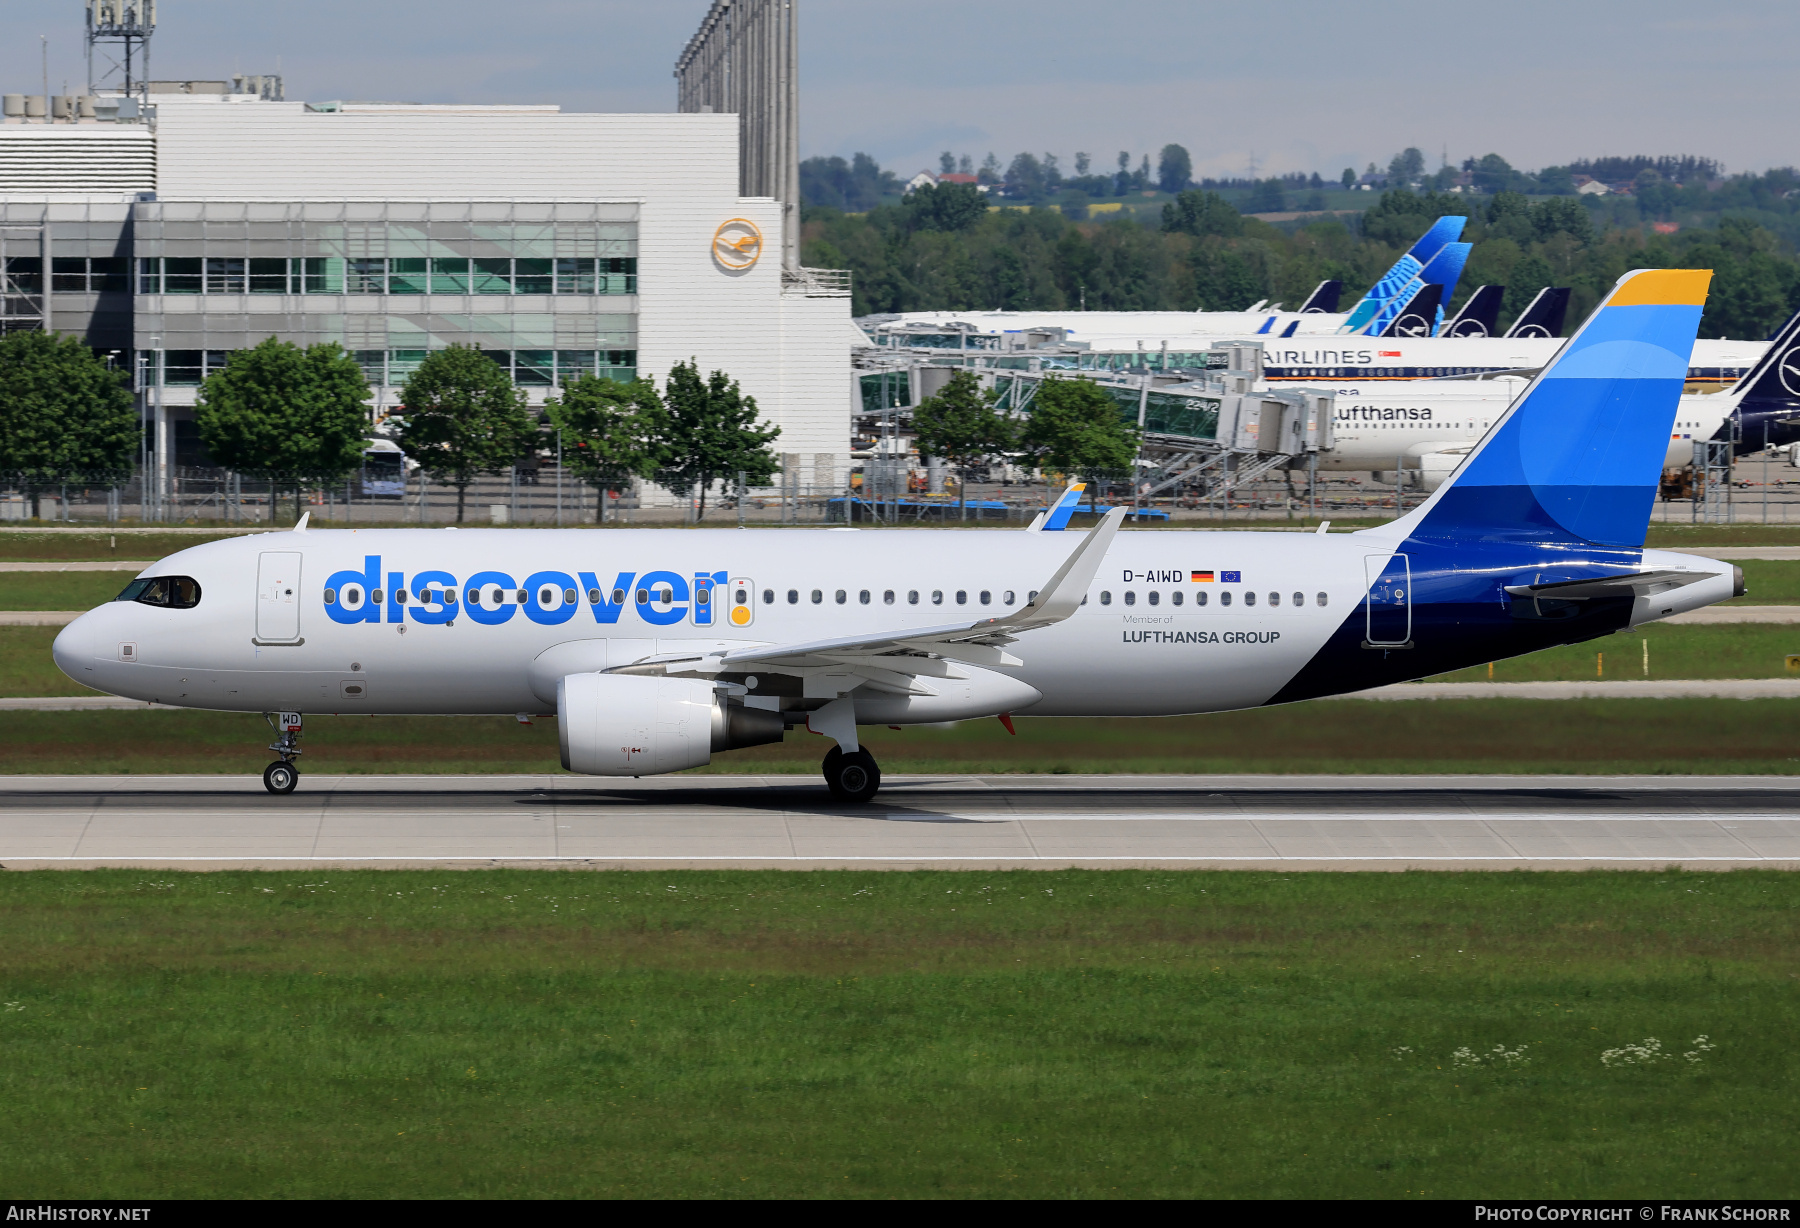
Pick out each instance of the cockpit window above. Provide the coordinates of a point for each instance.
(170, 592)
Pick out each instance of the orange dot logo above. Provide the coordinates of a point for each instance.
(737, 244)
(740, 616)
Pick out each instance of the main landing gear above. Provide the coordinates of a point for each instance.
(281, 776)
(853, 776)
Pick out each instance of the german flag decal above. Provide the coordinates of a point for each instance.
(1202, 577)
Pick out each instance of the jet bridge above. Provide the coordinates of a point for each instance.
(1207, 427)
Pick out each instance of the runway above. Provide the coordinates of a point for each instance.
(950, 822)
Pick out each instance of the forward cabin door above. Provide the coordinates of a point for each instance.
(1388, 609)
(278, 597)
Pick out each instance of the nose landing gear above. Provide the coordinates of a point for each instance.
(851, 776)
(281, 776)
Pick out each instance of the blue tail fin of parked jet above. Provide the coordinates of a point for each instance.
(1768, 396)
(1578, 456)
(1543, 316)
(1405, 271)
(1443, 271)
(1479, 316)
(1323, 299)
(1418, 315)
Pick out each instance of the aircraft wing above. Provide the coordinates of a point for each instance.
(1637, 584)
(891, 660)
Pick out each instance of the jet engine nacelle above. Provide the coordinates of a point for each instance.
(629, 725)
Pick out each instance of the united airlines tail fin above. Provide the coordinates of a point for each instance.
(1479, 316)
(1577, 458)
(1544, 316)
(1442, 271)
(1406, 270)
(1323, 300)
(1776, 376)
(1418, 316)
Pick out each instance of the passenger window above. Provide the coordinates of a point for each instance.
(703, 594)
(1175, 597)
(937, 596)
(1299, 600)
(1200, 597)
(742, 596)
(793, 596)
(839, 597)
(1105, 597)
(666, 596)
(331, 596)
(547, 596)
(449, 596)
(1321, 598)
(1225, 597)
(1007, 596)
(1130, 598)
(962, 596)
(768, 596)
(887, 597)
(593, 599)
(569, 596)
(986, 597)
(618, 596)
(863, 596)
(912, 596)
(1153, 597)
(1249, 598)
(1274, 599)
(1032, 596)
(818, 596)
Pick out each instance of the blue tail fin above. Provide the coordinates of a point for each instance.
(1445, 270)
(1402, 275)
(1418, 316)
(1057, 518)
(1544, 316)
(1578, 456)
(1479, 316)
(1776, 377)
(1323, 299)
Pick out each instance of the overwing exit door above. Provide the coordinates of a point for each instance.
(278, 597)
(1388, 608)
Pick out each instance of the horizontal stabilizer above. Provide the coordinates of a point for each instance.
(1638, 584)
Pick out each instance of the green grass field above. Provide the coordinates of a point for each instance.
(1729, 650)
(1704, 736)
(878, 1035)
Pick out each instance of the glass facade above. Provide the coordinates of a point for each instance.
(548, 289)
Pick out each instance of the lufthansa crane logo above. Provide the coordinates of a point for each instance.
(737, 244)
(1788, 371)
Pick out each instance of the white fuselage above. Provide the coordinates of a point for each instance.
(261, 637)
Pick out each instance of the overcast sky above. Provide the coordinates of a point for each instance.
(1299, 86)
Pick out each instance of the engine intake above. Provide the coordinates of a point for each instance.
(630, 725)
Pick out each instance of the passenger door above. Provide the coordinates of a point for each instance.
(1388, 608)
(278, 597)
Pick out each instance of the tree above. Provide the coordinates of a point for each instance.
(1123, 178)
(990, 169)
(63, 414)
(1529, 275)
(606, 429)
(960, 424)
(1348, 178)
(1025, 177)
(1200, 214)
(1173, 169)
(1076, 427)
(946, 163)
(1082, 162)
(464, 418)
(1268, 197)
(1407, 165)
(708, 430)
(291, 415)
(945, 206)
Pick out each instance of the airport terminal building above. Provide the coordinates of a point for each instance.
(560, 243)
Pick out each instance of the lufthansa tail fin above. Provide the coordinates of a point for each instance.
(1419, 315)
(1479, 316)
(1544, 316)
(1577, 458)
(1776, 376)
(1323, 300)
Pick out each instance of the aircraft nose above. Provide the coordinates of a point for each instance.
(74, 652)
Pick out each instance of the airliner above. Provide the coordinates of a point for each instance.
(657, 648)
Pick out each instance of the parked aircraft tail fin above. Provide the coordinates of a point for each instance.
(1418, 315)
(1479, 316)
(1056, 518)
(1404, 272)
(1544, 316)
(1776, 376)
(1323, 300)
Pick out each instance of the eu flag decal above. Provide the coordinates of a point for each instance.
(1231, 577)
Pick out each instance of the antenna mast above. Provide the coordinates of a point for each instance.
(128, 25)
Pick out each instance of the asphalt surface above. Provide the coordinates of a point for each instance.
(966, 822)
